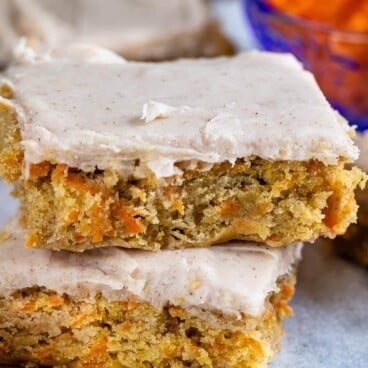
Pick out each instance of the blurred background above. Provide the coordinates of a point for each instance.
(329, 37)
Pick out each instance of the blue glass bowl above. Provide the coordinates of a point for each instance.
(338, 59)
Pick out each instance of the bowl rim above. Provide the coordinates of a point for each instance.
(351, 36)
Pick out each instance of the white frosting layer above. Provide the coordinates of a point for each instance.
(146, 28)
(362, 142)
(234, 278)
(87, 114)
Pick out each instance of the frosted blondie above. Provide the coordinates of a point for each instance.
(178, 154)
(138, 30)
(209, 307)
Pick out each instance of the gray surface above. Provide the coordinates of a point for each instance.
(330, 326)
(7, 204)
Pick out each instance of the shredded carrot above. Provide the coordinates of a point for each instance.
(56, 300)
(241, 342)
(79, 321)
(229, 208)
(28, 307)
(79, 238)
(98, 352)
(254, 346)
(176, 312)
(331, 216)
(32, 240)
(100, 347)
(61, 175)
(349, 15)
(75, 181)
(110, 233)
(100, 223)
(178, 206)
(288, 291)
(71, 217)
(169, 350)
(126, 326)
(40, 170)
(97, 236)
(339, 63)
(132, 224)
(44, 354)
(284, 309)
(130, 305)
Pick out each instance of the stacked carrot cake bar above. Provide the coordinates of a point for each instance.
(209, 307)
(222, 167)
(354, 244)
(138, 30)
(173, 155)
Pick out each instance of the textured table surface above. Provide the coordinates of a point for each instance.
(330, 326)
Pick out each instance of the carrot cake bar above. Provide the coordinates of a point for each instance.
(178, 154)
(138, 30)
(209, 307)
(354, 244)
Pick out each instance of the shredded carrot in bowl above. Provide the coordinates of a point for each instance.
(346, 15)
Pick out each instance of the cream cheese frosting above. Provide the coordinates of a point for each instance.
(88, 114)
(146, 27)
(236, 278)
